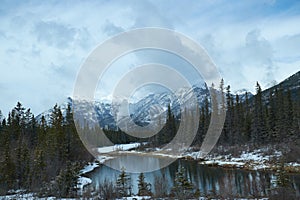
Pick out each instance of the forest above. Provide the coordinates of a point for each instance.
(46, 157)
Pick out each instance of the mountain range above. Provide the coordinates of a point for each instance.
(154, 105)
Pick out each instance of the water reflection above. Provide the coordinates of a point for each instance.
(209, 180)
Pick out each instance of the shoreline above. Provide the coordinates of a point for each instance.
(258, 159)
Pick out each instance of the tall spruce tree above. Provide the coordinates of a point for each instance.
(123, 184)
(183, 188)
(144, 188)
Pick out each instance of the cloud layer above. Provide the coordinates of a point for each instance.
(43, 45)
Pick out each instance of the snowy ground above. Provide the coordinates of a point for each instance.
(30, 196)
(259, 159)
(82, 180)
(118, 147)
(135, 198)
(252, 160)
(88, 168)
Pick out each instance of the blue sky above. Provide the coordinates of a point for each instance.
(43, 44)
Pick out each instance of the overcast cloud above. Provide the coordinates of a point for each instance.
(43, 44)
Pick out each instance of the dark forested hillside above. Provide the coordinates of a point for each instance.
(40, 157)
(270, 116)
(292, 84)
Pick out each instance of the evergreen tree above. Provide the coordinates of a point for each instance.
(271, 123)
(171, 124)
(259, 132)
(66, 182)
(288, 114)
(57, 147)
(183, 188)
(123, 184)
(228, 125)
(8, 174)
(206, 114)
(280, 117)
(248, 119)
(223, 104)
(143, 186)
(34, 153)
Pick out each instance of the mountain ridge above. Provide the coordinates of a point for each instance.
(156, 104)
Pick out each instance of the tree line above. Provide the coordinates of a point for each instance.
(40, 156)
(265, 118)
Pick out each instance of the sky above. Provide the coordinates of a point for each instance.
(44, 43)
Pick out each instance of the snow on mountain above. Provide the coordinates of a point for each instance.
(242, 94)
(152, 106)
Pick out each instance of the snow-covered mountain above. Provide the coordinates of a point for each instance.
(141, 112)
(242, 94)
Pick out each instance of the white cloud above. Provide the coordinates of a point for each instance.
(44, 44)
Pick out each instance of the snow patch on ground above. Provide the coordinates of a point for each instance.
(135, 198)
(293, 164)
(30, 196)
(118, 147)
(102, 159)
(255, 160)
(89, 167)
(21, 196)
(83, 181)
(252, 160)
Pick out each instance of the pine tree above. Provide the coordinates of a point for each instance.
(170, 127)
(223, 104)
(248, 119)
(238, 118)
(182, 188)
(143, 186)
(228, 125)
(38, 174)
(201, 133)
(34, 153)
(57, 132)
(288, 114)
(259, 132)
(66, 182)
(272, 118)
(280, 117)
(123, 184)
(206, 115)
(8, 173)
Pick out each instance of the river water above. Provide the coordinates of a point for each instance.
(209, 180)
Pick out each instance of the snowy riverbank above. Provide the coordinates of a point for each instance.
(103, 151)
(257, 159)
